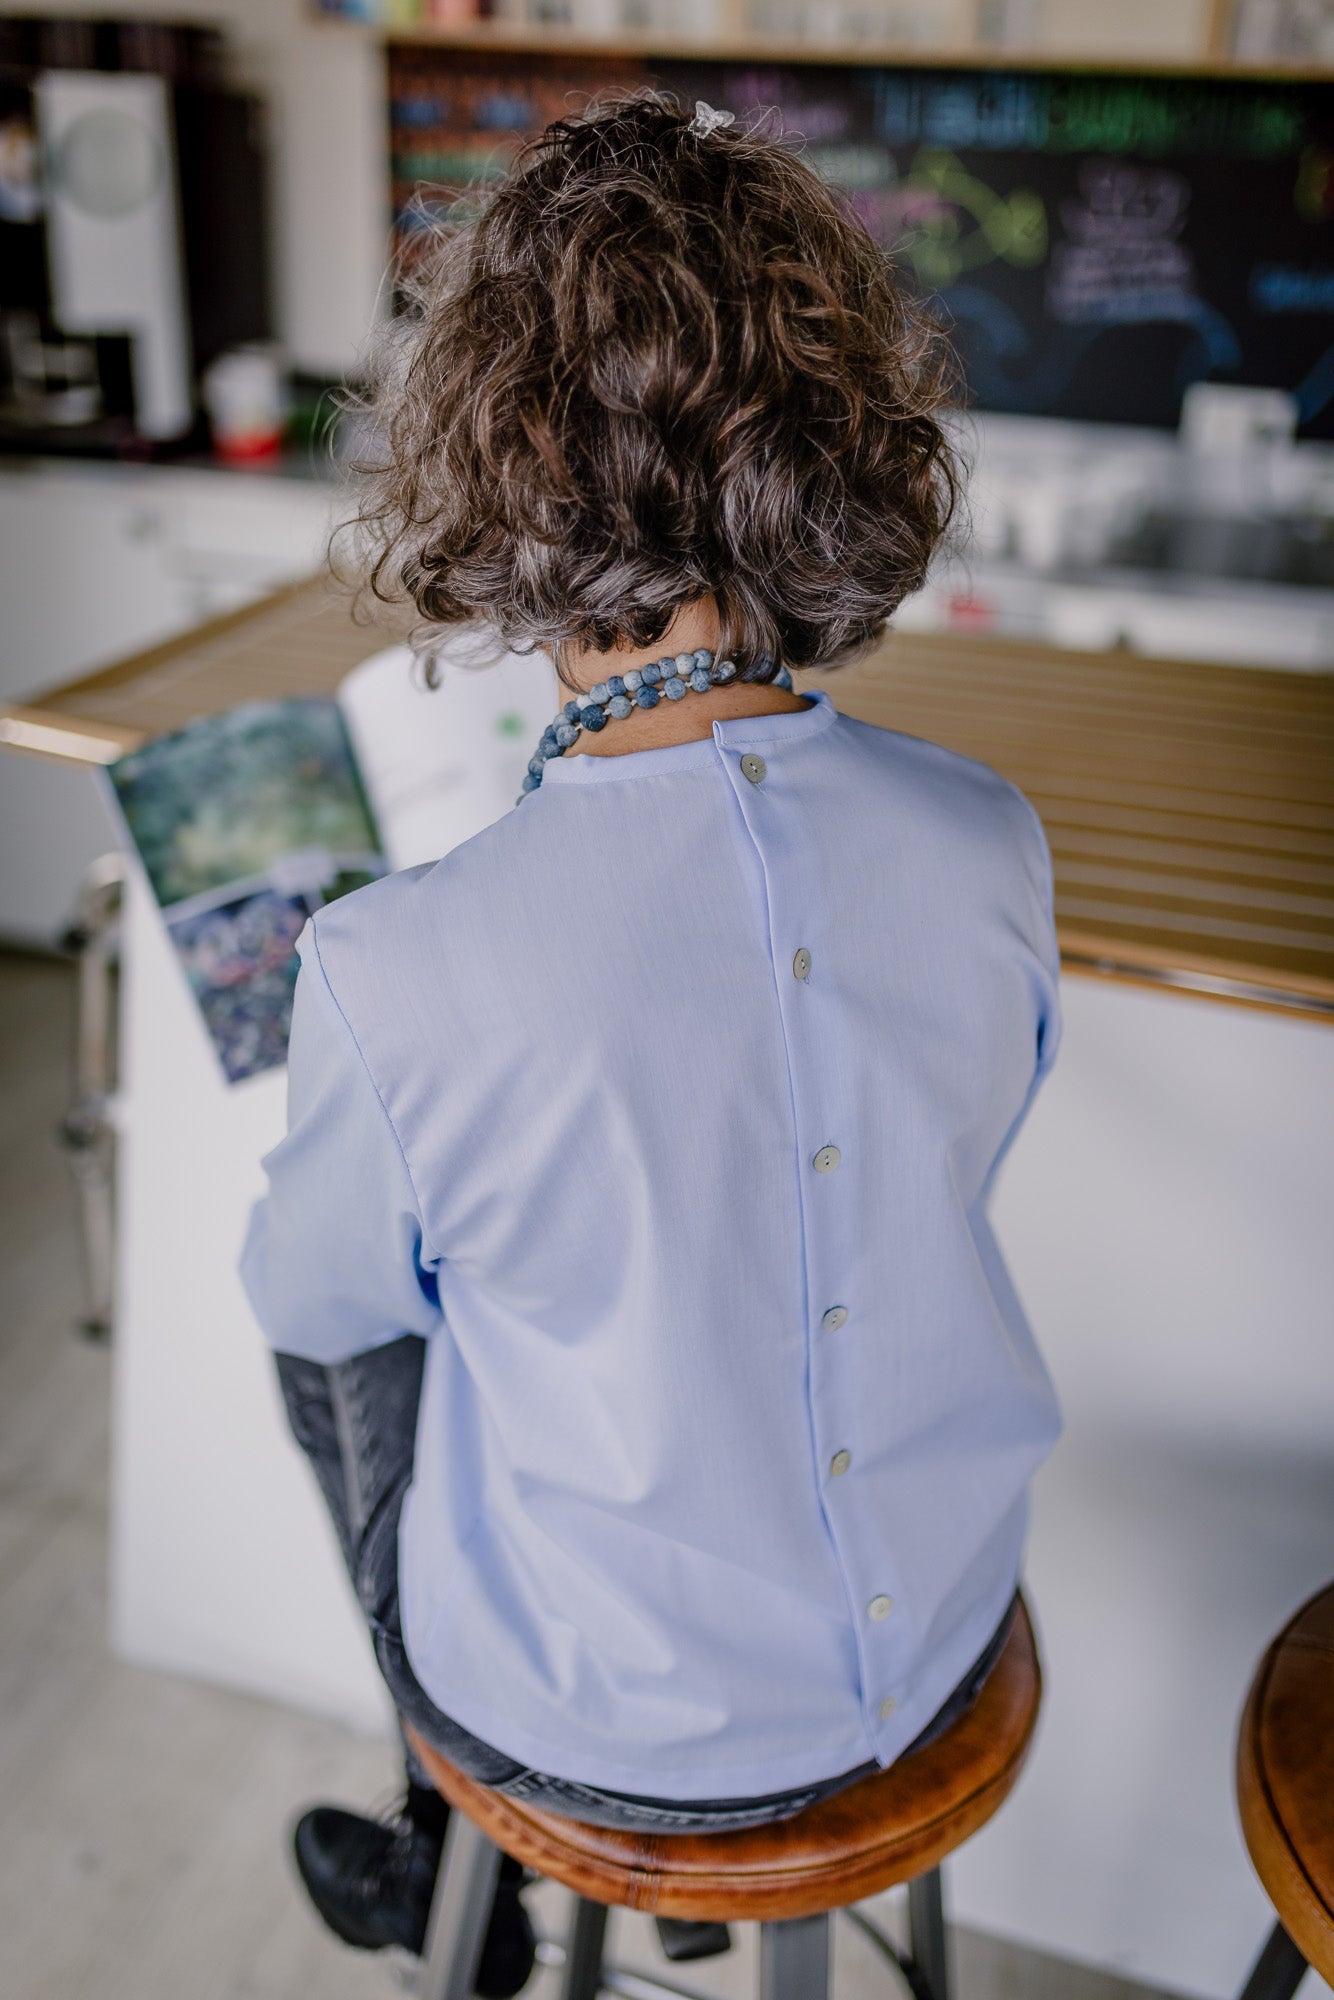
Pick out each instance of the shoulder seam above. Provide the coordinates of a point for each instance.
(375, 1088)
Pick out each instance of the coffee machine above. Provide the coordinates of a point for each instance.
(133, 231)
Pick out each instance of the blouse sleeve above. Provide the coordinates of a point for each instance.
(1048, 951)
(335, 1259)
(1044, 965)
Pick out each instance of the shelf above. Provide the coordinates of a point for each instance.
(503, 38)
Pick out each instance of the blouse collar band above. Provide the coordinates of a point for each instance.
(739, 732)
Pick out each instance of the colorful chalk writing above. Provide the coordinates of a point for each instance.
(1013, 113)
(1274, 288)
(1122, 244)
(1096, 241)
(1313, 194)
(964, 224)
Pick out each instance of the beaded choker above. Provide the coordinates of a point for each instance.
(622, 694)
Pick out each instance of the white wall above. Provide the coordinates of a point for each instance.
(1134, 30)
(97, 561)
(324, 86)
(1166, 1217)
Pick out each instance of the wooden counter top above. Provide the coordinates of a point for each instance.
(1190, 808)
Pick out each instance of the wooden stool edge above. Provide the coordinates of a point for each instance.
(1297, 1902)
(636, 1880)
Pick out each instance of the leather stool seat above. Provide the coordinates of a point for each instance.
(888, 1828)
(1285, 1780)
(895, 1826)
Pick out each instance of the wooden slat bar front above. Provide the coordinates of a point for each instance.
(1190, 808)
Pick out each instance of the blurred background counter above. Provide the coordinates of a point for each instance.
(1190, 807)
(1088, 536)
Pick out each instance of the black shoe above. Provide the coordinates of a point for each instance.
(372, 1882)
(682, 1940)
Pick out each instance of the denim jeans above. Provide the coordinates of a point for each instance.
(357, 1423)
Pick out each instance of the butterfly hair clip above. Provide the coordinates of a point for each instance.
(707, 121)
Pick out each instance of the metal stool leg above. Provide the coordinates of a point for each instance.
(582, 1978)
(794, 1959)
(1278, 1971)
(460, 1912)
(926, 1933)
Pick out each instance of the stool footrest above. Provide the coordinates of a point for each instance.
(627, 1985)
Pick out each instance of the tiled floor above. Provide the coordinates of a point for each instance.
(142, 1819)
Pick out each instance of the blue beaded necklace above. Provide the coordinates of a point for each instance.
(622, 694)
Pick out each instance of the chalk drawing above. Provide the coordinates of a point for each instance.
(945, 221)
(1000, 381)
(779, 93)
(992, 114)
(996, 374)
(1316, 388)
(852, 167)
(1122, 243)
(1155, 118)
(1281, 288)
(1313, 194)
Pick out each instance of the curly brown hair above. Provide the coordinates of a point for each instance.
(652, 365)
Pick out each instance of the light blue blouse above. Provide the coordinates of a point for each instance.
(667, 1109)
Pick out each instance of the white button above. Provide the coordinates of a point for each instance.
(752, 767)
(826, 1159)
(840, 1462)
(801, 964)
(887, 1708)
(880, 1607)
(836, 1317)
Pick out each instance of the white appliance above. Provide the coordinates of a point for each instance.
(114, 230)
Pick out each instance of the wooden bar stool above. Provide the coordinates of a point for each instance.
(895, 1826)
(1285, 1794)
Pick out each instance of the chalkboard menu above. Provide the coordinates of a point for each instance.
(1094, 242)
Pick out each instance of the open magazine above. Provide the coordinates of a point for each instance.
(247, 822)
